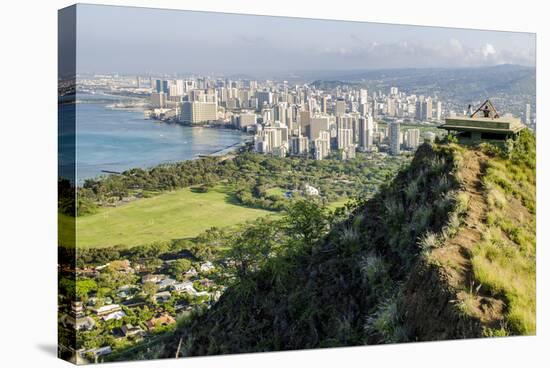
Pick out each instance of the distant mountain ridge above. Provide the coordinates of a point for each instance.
(510, 86)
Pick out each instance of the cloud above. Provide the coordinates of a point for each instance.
(407, 53)
(488, 50)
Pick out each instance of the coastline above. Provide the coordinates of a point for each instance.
(114, 139)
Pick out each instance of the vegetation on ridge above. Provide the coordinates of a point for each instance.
(329, 281)
(452, 235)
(504, 261)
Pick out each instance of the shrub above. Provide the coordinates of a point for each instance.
(429, 241)
(373, 268)
(384, 322)
(411, 190)
(421, 218)
(452, 226)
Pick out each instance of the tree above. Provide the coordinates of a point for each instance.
(179, 267)
(150, 289)
(83, 288)
(306, 222)
(250, 249)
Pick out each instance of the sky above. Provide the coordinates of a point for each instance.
(144, 40)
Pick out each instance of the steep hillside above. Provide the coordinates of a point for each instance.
(445, 250)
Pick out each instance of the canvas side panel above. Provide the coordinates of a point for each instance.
(68, 309)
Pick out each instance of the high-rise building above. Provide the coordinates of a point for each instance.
(394, 91)
(363, 109)
(344, 138)
(424, 108)
(198, 112)
(348, 152)
(284, 131)
(527, 114)
(158, 99)
(279, 112)
(345, 121)
(428, 109)
(322, 145)
(317, 125)
(438, 111)
(245, 119)
(264, 98)
(290, 118)
(324, 101)
(363, 93)
(390, 107)
(299, 145)
(173, 90)
(180, 87)
(366, 133)
(272, 140)
(394, 134)
(340, 107)
(304, 121)
(412, 138)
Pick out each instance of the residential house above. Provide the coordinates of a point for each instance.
(163, 320)
(185, 287)
(166, 283)
(105, 350)
(207, 266)
(115, 315)
(192, 272)
(132, 331)
(207, 283)
(152, 278)
(125, 292)
(106, 309)
(162, 296)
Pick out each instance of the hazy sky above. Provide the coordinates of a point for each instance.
(140, 40)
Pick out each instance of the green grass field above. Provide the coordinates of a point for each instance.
(66, 226)
(338, 203)
(179, 214)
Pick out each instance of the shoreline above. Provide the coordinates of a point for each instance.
(234, 141)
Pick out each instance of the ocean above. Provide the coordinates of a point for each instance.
(114, 139)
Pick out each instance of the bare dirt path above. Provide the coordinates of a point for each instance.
(455, 254)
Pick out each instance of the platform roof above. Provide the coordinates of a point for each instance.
(504, 125)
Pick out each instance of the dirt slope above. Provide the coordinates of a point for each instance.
(436, 292)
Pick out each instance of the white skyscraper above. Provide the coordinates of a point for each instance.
(245, 119)
(366, 133)
(363, 93)
(318, 124)
(527, 114)
(299, 145)
(344, 138)
(322, 145)
(394, 133)
(198, 112)
(412, 138)
(158, 99)
(340, 107)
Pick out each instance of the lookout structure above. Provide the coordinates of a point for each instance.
(484, 123)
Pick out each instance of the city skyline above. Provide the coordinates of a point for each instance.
(160, 41)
